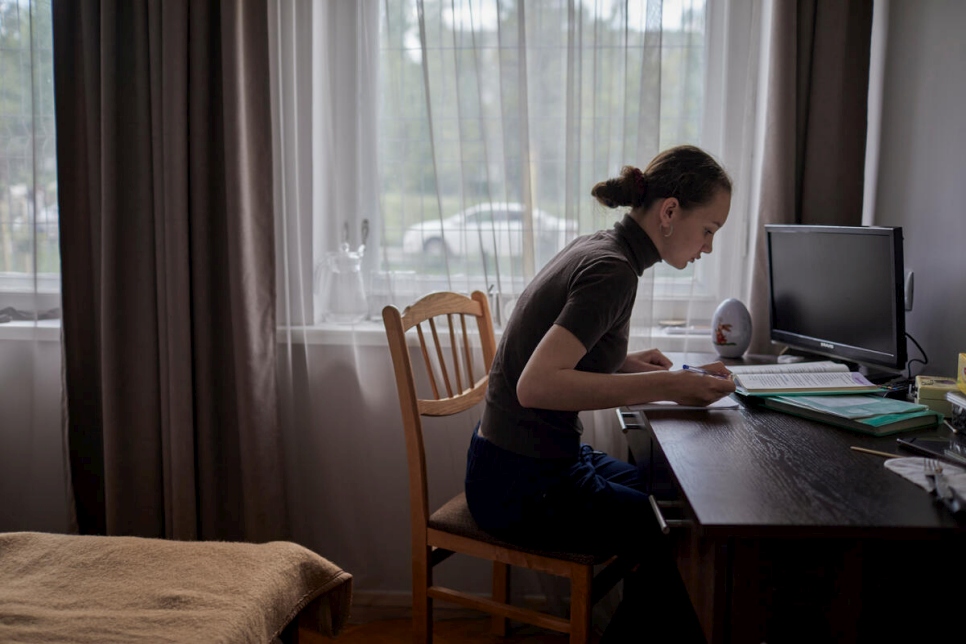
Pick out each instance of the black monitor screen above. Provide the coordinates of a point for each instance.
(837, 291)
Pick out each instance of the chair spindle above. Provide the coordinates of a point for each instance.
(454, 347)
(442, 360)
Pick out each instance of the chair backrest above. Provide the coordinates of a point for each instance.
(457, 379)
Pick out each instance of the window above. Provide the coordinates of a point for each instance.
(491, 108)
(433, 118)
(29, 224)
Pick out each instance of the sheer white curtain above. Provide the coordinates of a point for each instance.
(497, 117)
(468, 133)
(32, 481)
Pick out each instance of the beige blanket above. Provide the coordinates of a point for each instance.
(79, 589)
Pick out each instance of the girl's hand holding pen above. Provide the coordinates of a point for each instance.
(722, 373)
(714, 382)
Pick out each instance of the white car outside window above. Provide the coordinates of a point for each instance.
(491, 228)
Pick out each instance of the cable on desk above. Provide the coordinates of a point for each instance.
(923, 362)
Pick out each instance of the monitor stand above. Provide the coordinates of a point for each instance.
(877, 376)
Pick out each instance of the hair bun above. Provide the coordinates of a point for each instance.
(637, 184)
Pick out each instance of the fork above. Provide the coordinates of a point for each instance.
(932, 470)
(941, 488)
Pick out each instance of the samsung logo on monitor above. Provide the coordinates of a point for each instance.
(827, 345)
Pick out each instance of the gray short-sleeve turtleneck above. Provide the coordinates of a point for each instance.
(589, 288)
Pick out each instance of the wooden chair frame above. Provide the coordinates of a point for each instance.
(461, 388)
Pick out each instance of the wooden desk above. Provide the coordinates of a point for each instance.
(790, 536)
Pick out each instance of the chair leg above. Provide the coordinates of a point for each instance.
(581, 581)
(422, 603)
(501, 593)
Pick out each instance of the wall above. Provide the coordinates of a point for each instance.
(33, 491)
(921, 183)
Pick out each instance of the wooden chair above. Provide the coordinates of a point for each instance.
(458, 384)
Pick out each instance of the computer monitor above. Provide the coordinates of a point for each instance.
(837, 291)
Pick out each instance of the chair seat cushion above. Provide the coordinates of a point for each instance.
(455, 518)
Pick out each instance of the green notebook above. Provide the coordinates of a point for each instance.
(852, 406)
(866, 414)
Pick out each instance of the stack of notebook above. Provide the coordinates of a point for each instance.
(828, 392)
(866, 413)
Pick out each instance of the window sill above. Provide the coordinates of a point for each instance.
(44, 331)
(366, 333)
(371, 333)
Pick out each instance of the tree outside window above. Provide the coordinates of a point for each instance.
(29, 225)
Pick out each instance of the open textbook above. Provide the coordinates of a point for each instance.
(823, 366)
(800, 378)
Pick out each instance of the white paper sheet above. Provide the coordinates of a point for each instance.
(722, 403)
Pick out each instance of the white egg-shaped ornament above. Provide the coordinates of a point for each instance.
(731, 328)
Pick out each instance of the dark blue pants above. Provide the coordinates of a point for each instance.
(592, 503)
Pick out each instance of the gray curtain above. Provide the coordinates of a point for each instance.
(164, 162)
(816, 112)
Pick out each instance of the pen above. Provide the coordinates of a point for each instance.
(875, 452)
(705, 373)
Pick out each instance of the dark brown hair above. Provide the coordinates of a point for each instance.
(685, 172)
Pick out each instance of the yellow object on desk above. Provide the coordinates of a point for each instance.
(961, 373)
(931, 392)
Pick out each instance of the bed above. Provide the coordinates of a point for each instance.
(87, 589)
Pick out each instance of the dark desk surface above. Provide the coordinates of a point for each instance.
(754, 472)
(792, 535)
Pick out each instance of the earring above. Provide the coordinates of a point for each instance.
(670, 230)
